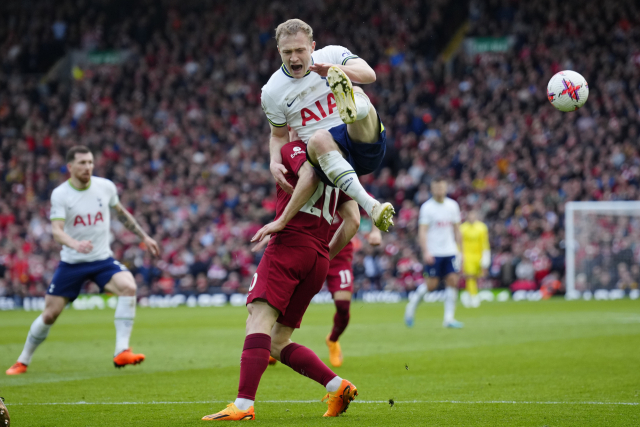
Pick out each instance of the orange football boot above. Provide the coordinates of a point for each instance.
(335, 352)
(339, 400)
(232, 413)
(126, 357)
(17, 369)
(272, 360)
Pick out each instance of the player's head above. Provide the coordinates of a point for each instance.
(80, 163)
(439, 188)
(295, 44)
(472, 216)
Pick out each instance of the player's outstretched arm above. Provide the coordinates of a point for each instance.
(422, 240)
(356, 69)
(82, 246)
(350, 214)
(132, 225)
(279, 137)
(307, 183)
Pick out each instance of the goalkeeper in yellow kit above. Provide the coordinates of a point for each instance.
(476, 254)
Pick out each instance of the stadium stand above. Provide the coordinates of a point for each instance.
(178, 127)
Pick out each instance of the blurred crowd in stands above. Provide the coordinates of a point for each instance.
(178, 127)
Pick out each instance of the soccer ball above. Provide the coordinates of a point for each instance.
(567, 90)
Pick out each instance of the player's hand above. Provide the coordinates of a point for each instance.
(428, 259)
(84, 246)
(261, 244)
(267, 230)
(320, 68)
(152, 246)
(375, 237)
(483, 273)
(278, 170)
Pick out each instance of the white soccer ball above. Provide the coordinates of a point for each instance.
(567, 90)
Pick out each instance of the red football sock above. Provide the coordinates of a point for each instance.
(304, 361)
(340, 320)
(254, 361)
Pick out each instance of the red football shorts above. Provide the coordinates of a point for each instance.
(288, 278)
(340, 276)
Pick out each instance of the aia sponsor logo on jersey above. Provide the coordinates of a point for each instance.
(86, 221)
(443, 223)
(308, 114)
(296, 151)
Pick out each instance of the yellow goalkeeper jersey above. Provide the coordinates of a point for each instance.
(475, 239)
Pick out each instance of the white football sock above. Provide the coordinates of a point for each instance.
(243, 404)
(125, 313)
(363, 105)
(450, 300)
(341, 173)
(417, 297)
(37, 334)
(334, 384)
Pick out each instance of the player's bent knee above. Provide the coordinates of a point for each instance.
(49, 317)
(321, 142)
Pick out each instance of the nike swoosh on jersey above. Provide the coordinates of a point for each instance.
(294, 100)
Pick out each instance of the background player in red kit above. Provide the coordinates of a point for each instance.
(340, 284)
(292, 270)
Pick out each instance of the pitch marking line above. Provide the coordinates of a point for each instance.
(484, 402)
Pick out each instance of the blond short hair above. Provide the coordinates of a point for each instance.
(293, 27)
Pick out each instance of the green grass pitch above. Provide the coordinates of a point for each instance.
(549, 363)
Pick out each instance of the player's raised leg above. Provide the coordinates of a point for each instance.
(38, 332)
(325, 152)
(340, 392)
(123, 285)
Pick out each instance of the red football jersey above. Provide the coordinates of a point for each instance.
(311, 226)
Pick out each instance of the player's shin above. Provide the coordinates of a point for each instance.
(304, 361)
(451, 298)
(340, 319)
(37, 334)
(341, 173)
(124, 316)
(253, 363)
(412, 305)
(472, 286)
(363, 105)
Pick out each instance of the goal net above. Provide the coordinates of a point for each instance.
(602, 248)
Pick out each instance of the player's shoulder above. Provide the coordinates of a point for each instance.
(275, 82)
(332, 52)
(101, 182)
(60, 190)
(450, 202)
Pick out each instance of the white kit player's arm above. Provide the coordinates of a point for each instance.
(57, 229)
(350, 214)
(279, 137)
(423, 229)
(356, 69)
(132, 225)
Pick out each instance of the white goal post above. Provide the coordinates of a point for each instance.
(601, 245)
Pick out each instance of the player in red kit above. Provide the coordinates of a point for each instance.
(291, 271)
(340, 284)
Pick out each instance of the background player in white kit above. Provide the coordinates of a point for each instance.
(80, 221)
(313, 94)
(440, 241)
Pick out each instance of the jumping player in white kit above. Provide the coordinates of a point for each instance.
(80, 221)
(441, 244)
(312, 93)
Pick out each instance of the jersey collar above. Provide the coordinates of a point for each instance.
(79, 189)
(288, 73)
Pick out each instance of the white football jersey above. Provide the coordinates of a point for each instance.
(305, 104)
(86, 216)
(441, 218)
